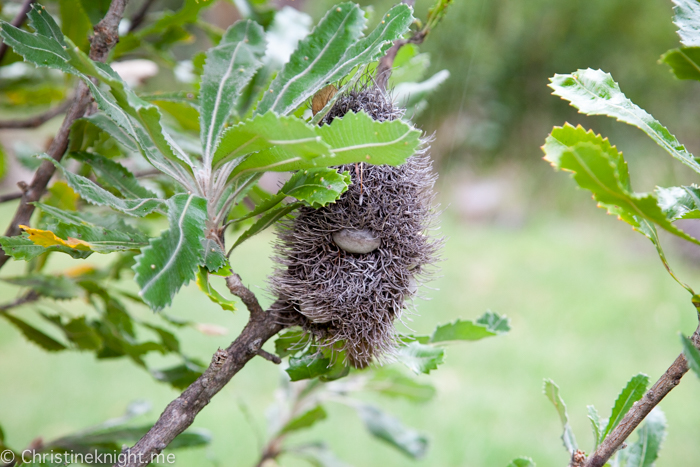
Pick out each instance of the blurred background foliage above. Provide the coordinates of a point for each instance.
(586, 296)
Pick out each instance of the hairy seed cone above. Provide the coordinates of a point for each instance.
(349, 300)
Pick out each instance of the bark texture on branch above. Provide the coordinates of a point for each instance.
(103, 40)
(641, 409)
(181, 412)
(37, 120)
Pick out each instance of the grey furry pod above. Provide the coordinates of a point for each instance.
(352, 267)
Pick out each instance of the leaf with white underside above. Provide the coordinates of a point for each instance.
(228, 69)
(357, 137)
(599, 167)
(93, 193)
(633, 391)
(687, 18)
(420, 358)
(171, 260)
(679, 202)
(330, 52)
(684, 62)
(389, 429)
(551, 391)
(288, 134)
(103, 123)
(645, 451)
(114, 174)
(594, 92)
(692, 354)
(595, 425)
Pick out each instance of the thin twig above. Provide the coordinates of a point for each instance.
(104, 39)
(181, 412)
(29, 297)
(641, 409)
(269, 357)
(37, 120)
(17, 22)
(10, 197)
(140, 15)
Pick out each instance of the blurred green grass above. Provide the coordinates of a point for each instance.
(590, 305)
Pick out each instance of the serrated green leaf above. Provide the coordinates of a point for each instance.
(633, 391)
(494, 322)
(390, 429)
(102, 123)
(22, 248)
(687, 18)
(308, 366)
(170, 261)
(645, 451)
(461, 330)
(115, 175)
(594, 92)
(522, 462)
(61, 196)
(180, 376)
(598, 167)
(357, 137)
(289, 134)
(390, 382)
(305, 420)
(692, 354)
(44, 24)
(78, 331)
(551, 391)
(57, 287)
(291, 341)
(330, 52)
(34, 335)
(421, 358)
(212, 293)
(266, 221)
(684, 62)
(228, 69)
(595, 424)
(103, 235)
(213, 257)
(317, 187)
(93, 193)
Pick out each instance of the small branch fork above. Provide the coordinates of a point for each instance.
(640, 410)
(103, 40)
(181, 412)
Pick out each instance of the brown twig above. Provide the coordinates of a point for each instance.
(103, 40)
(181, 412)
(37, 120)
(641, 409)
(29, 297)
(386, 63)
(17, 22)
(140, 15)
(10, 197)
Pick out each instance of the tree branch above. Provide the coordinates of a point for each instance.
(37, 120)
(641, 409)
(140, 15)
(181, 412)
(17, 22)
(104, 39)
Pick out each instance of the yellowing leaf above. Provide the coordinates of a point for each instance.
(78, 271)
(46, 238)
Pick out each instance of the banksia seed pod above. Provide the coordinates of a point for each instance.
(352, 267)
